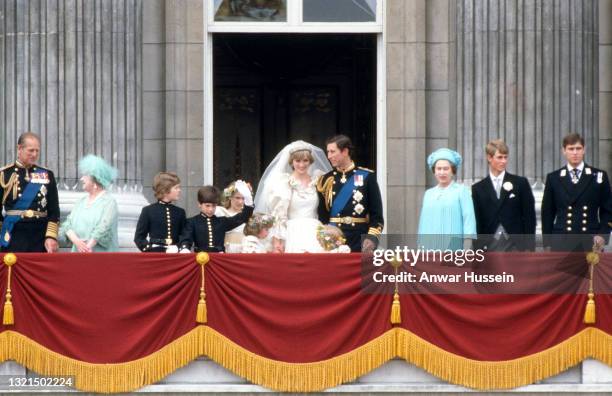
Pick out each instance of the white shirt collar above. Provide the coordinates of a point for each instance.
(500, 176)
(580, 167)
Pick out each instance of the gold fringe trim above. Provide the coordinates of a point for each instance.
(308, 377)
(103, 378)
(507, 374)
(300, 377)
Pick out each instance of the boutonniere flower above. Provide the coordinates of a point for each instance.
(507, 186)
(587, 171)
(563, 172)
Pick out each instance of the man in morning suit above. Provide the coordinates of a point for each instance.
(30, 201)
(504, 205)
(576, 202)
(349, 197)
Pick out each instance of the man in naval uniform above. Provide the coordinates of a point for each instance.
(31, 205)
(349, 197)
(576, 202)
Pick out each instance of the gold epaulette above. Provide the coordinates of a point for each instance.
(5, 167)
(365, 169)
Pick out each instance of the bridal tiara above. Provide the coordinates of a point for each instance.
(300, 146)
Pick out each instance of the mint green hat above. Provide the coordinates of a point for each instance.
(97, 167)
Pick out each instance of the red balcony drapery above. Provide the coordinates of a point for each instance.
(288, 322)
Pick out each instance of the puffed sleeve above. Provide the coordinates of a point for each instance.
(278, 202)
(467, 213)
(106, 227)
(250, 244)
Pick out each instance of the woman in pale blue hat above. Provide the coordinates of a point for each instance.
(91, 226)
(447, 216)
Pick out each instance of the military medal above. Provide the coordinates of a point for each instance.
(358, 180)
(343, 179)
(43, 190)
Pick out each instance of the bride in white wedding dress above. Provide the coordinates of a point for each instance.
(287, 190)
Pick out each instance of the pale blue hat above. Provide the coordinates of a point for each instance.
(97, 167)
(446, 154)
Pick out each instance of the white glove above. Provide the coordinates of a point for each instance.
(244, 189)
(344, 249)
(185, 250)
(172, 249)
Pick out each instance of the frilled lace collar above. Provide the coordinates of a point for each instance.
(296, 185)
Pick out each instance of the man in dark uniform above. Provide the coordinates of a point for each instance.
(30, 201)
(205, 232)
(504, 205)
(349, 197)
(576, 202)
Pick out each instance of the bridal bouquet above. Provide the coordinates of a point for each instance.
(332, 239)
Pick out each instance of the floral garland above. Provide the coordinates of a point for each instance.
(230, 190)
(262, 220)
(330, 237)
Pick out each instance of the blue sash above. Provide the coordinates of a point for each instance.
(345, 193)
(22, 203)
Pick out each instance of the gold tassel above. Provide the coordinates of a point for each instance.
(589, 312)
(396, 314)
(8, 316)
(202, 315)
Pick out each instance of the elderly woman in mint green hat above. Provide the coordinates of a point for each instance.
(91, 226)
(447, 217)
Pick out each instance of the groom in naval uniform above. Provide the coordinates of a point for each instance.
(349, 197)
(504, 205)
(577, 205)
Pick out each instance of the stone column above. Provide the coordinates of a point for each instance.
(605, 85)
(71, 71)
(527, 72)
(419, 92)
(173, 48)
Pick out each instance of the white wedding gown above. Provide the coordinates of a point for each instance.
(295, 209)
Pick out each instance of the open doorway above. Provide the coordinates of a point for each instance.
(271, 89)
